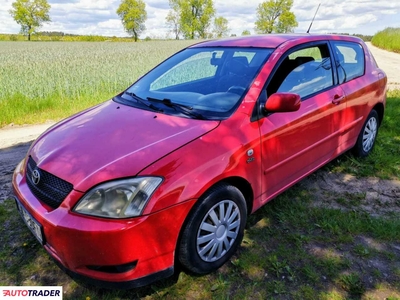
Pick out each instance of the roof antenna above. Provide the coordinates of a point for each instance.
(308, 31)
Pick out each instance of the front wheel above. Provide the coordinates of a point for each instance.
(214, 230)
(366, 138)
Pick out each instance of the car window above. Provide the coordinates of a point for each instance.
(193, 68)
(304, 72)
(350, 60)
(210, 80)
(248, 55)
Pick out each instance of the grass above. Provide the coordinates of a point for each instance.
(388, 39)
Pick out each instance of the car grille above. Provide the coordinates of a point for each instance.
(50, 189)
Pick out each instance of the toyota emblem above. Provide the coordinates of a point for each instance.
(36, 176)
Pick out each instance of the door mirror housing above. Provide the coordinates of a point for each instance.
(283, 102)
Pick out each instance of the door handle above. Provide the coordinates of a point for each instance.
(337, 99)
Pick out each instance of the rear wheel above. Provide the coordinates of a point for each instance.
(366, 138)
(214, 230)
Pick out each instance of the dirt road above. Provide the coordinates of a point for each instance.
(390, 63)
(15, 141)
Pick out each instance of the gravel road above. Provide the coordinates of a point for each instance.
(15, 140)
(390, 63)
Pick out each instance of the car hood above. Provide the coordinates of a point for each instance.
(111, 141)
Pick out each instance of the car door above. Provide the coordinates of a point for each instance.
(296, 143)
(350, 62)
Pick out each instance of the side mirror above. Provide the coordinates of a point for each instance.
(283, 102)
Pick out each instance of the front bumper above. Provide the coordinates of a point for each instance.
(112, 253)
(135, 283)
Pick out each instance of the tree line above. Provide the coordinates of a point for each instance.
(188, 19)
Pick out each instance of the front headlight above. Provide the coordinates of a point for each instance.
(118, 199)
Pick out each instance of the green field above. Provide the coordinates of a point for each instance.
(388, 39)
(48, 81)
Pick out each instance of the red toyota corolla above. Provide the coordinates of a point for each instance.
(166, 172)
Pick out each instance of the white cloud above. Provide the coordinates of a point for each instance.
(7, 24)
(389, 12)
(353, 16)
(99, 16)
(357, 21)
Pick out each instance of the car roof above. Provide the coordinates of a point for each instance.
(272, 40)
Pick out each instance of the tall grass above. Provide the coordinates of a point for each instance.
(42, 81)
(388, 39)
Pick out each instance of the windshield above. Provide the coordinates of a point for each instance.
(208, 81)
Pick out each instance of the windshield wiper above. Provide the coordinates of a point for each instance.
(185, 109)
(144, 102)
(169, 103)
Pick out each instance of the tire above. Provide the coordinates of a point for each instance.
(206, 242)
(366, 139)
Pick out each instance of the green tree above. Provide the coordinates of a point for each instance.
(194, 16)
(133, 15)
(30, 14)
(221, 27)
(174, 19)
(275, 16)
(246, 32)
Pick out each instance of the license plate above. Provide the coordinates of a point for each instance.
(30, 221)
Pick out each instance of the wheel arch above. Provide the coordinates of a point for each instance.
(240, 183)
(244, 187)
(379, 108)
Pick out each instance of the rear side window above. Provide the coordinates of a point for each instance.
(305, 72)
(349, 60)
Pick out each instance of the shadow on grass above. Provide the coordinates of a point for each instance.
(294, 249)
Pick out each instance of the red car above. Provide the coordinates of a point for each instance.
(167, 171)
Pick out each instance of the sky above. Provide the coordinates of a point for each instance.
(100, 18)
